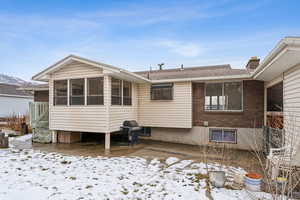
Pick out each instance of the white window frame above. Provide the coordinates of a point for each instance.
(223, 130)
(223, 82)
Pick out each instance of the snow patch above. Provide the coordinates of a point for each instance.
(171, 160)
(22, 138)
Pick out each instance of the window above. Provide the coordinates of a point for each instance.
(60, 92)
(95, 91)
(214, 99)
(223, 135)
(233, 95)
(116, 92)
(163, 91)
(127, 90)
(275, 98)
(224, 96)
(77, 92)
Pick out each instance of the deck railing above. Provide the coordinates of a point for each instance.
(38, 112)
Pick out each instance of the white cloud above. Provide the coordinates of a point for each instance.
(187, 49)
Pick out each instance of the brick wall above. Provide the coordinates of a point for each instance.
(252, 115)
(41, 96)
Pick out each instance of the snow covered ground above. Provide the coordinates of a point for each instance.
(21, 141)
(35, 175)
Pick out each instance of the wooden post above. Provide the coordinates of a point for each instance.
(107, 142)
(54, 136)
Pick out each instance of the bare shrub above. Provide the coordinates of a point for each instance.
(15, 122)
(280, 163)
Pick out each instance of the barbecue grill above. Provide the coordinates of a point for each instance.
(133, 130)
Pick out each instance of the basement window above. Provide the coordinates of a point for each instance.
(162, 91)
(223, 135)
(60, 92)
(95, 91)
(77, 92)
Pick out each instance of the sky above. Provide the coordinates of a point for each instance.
(138, 34)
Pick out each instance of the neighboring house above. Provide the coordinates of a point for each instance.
(195, 105)
(13, 101)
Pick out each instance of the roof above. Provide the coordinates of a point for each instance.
(13, 91)
(39, 87)
(115, 71)
(193, 72)
(282, 57)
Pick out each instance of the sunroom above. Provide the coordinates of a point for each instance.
(87, 96)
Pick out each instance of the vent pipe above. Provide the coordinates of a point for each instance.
(181, 67)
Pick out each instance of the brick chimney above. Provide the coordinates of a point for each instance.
(252, 63)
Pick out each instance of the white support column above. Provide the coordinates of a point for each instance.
(107, 141)
(54, 136)
(265, 104)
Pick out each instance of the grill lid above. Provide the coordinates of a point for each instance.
(130, 123)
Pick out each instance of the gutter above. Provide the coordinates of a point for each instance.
(17, 96)
(243, 76)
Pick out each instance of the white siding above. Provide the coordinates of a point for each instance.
(118, 114)
(291, 105)
(106, 118)
(175, 113)
(77, 118)
(76, 70)
(14, 105)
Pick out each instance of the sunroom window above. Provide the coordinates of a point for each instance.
(77, 92)
(60, 92)
(127, 90)
(224, 96)
(95, 91)
(116, 92)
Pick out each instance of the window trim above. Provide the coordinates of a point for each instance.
(223, 82)
(87, 90)
(172, 92)
(223, 130)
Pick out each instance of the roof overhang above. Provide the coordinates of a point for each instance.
(107, 69)
(46, 88)
(284, 56)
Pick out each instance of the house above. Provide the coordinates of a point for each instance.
(191, 105)
(13, 101)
